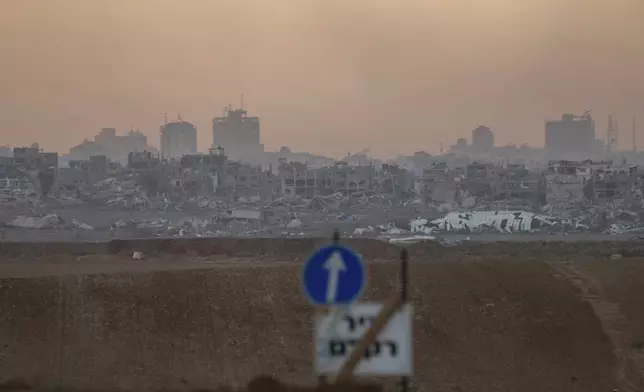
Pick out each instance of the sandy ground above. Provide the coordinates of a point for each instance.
(30, 235)
(498, 317)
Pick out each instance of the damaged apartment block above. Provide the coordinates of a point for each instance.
(38, 167)
(297, 179)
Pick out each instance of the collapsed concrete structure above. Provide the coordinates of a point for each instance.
(474, 183)
(592, 182)
(30, 166)
(108, 143)
(437, 184)
(297, 179)
(211, 195)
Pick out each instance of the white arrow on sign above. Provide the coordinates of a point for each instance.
(335, 265)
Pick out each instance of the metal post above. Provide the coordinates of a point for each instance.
(404, 283)
(322, 379)
(336, 237)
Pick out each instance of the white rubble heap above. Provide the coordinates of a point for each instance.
(36, 222)
(478, 221)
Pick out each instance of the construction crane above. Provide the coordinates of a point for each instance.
(585, 116)
(634, 132)
(361, 152)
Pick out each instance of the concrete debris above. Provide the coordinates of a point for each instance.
(477, 221)
(294, 224)
(213, 197)
(625, 228)
(412, 240)
(363, 230)
(36, 222)
(80, 225)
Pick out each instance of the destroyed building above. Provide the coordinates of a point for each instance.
(6, 151)
(148, 168)
(571, 135)
(574, 181)
(209, 195)
(242, 180)
(211, 162)
(178, 138)
(461, 146)
(239, 135)
(297, 179)
(114, 146)
(349, 179)
(273, 158)
(437, 184)
(566, 181)
(98, 165)
(228, 178)
(8, 183)
(482, 139)
(7, 168)
(10, 178)
(611, 183)
(88, 171)
(39, 167)
(515, 181)
(394, 180)
(479, 179)
(143, 161)
(30, 165)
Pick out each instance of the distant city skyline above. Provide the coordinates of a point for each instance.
(328, 77)
(156, 145)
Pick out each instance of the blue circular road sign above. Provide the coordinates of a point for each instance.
(333, 275)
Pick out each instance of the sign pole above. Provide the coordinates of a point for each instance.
(322, 379)
(404, 283)
(336, 236)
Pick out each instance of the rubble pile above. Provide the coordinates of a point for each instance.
(48, 221)
(479, 199)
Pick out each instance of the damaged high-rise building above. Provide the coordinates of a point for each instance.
(482, 139)
(178, 138)
(571, 135)
(239, 135)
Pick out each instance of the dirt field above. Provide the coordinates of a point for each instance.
(198, 313)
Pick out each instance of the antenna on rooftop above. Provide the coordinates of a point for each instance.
(165, 118)
(179, 116)
(634, 131)
(611, 137)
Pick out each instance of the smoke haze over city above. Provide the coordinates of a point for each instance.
(196, 194)
(325, 76)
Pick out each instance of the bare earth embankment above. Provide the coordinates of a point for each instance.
(201, 313)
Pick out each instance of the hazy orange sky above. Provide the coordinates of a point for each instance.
(329, 76)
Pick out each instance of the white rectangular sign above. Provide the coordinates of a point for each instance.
(337, 332)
